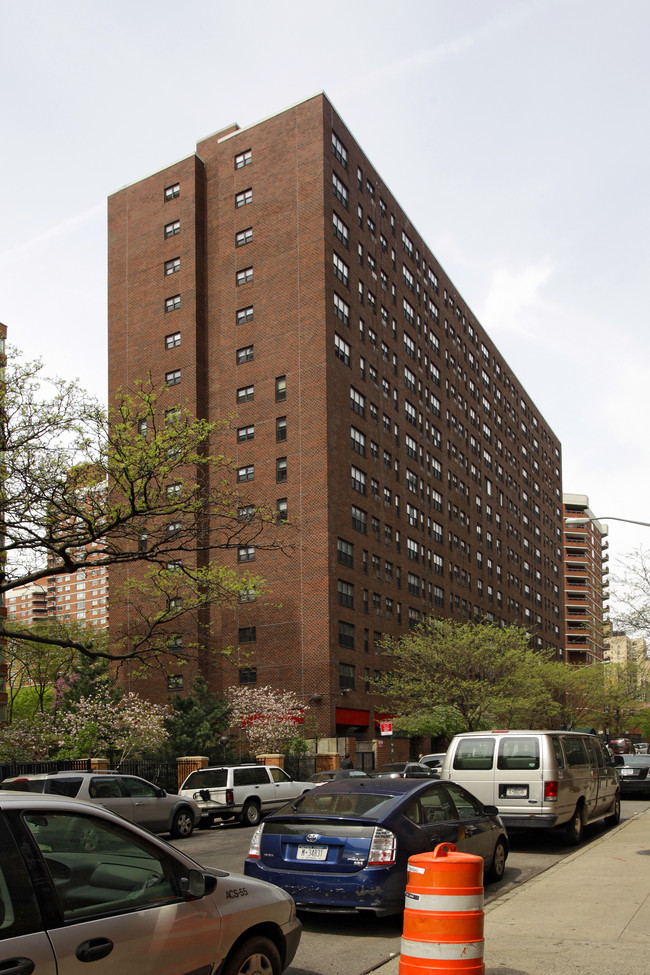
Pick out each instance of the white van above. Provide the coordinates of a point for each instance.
(538, 778)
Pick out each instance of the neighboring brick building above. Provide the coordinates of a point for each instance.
(586, 581)
(3, 605)
(273, 277)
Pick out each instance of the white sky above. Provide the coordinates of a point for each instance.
(513, 132)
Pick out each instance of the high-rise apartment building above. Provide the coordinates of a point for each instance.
(586, 581)
(273, 278)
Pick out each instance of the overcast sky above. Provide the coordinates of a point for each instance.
(513, 132)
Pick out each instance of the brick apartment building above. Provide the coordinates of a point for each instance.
(3, 605)
(273, 277)
(586, 573)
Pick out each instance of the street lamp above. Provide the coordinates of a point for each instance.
(571, 522)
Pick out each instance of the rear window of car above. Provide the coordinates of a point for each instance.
(207, 778)
(518, 753)
(640, 761)
(64, 787)
(250, 776)
(343, 804)
(24, 785)
(474, 753)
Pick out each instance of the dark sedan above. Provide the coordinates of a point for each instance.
(345, 846)
(406, 770)
(333, 775)
(634, 771)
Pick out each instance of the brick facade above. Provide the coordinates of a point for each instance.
(417, 470)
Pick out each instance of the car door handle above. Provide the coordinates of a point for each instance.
(138, 803)
(470, 830)
(94, 949)
(17, 966)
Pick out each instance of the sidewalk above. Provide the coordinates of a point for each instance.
(589, 914)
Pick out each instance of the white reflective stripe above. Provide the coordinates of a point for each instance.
(413, 869)
(442, 950)
(444, 902)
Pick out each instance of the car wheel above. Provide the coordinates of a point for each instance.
(497, 867)
(575, 827)
(250, 814)
(182, 824)
(615, 817)
(258, 956)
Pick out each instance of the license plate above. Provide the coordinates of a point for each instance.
(627, 771)
(516, 791)
(312, 853)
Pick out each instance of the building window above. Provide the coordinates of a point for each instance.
(171, 304)
(340, 230)
(244, 197)
(246, 473)
(172, 340)
(245, 354)
(174, 682)
(247, 634)
(281, 469)
(173, 378)
(245, 394)
(342, 349)
(280, 389)
(340, 190)
(175, 644)
(245, 433)
(174, 490)
(345, 552)
(171, 229)
(245, 276)
(357, 401)
(358, 480)
(246, 512)
(339, 150)
(246, 553)
(172, 416)
(358, 441)
(359, 519)
(243, 159)
(341, 269)
(280, 429)
(171, 192)
(243, 237)
(173, 528)
(142, 428)
(341, 309)
(248, 675)
(346, 671)
(346, 594)
(142, 541)
(282, 510)
(247, 595)
(244, 315)
(173, 266)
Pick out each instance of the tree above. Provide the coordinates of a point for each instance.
(196, 721)
(134, 486)
(447, 676)
(633, 593)
(270, 720)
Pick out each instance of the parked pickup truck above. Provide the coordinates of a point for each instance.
(245, 792)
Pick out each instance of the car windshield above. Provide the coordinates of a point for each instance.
(206, 778)
(341, 804)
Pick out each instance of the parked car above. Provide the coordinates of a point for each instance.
(333, 775)
(434, 760)
(405, 770)
(642, 747)
(538, 779)
(129, 897)
(345, 846)
(621, 746)
(133, 798)
(246, 792)
(634, 771)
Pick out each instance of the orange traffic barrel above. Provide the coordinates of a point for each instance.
(443, 914)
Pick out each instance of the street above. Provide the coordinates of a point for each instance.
(355, 944)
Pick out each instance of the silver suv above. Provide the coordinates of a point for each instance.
(245, 792)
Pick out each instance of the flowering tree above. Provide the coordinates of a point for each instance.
(101, 725)
(270, 720)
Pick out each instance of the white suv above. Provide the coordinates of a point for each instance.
(243, 791)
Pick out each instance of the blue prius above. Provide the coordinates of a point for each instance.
(345, 846)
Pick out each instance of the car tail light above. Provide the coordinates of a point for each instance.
(230, 797)
(383, 848)
(550, 790)
(256, 843)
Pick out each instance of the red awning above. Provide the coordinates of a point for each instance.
(353, 716)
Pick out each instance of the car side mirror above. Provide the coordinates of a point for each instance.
(196, 885)
(160, 793)
(490, 810)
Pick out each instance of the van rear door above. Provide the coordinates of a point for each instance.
(472, 764)
(519, 778)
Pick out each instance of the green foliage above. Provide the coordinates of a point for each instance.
(451, 676)
(196, 722)
(28, 701)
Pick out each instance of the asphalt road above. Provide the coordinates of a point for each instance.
(355, 944)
